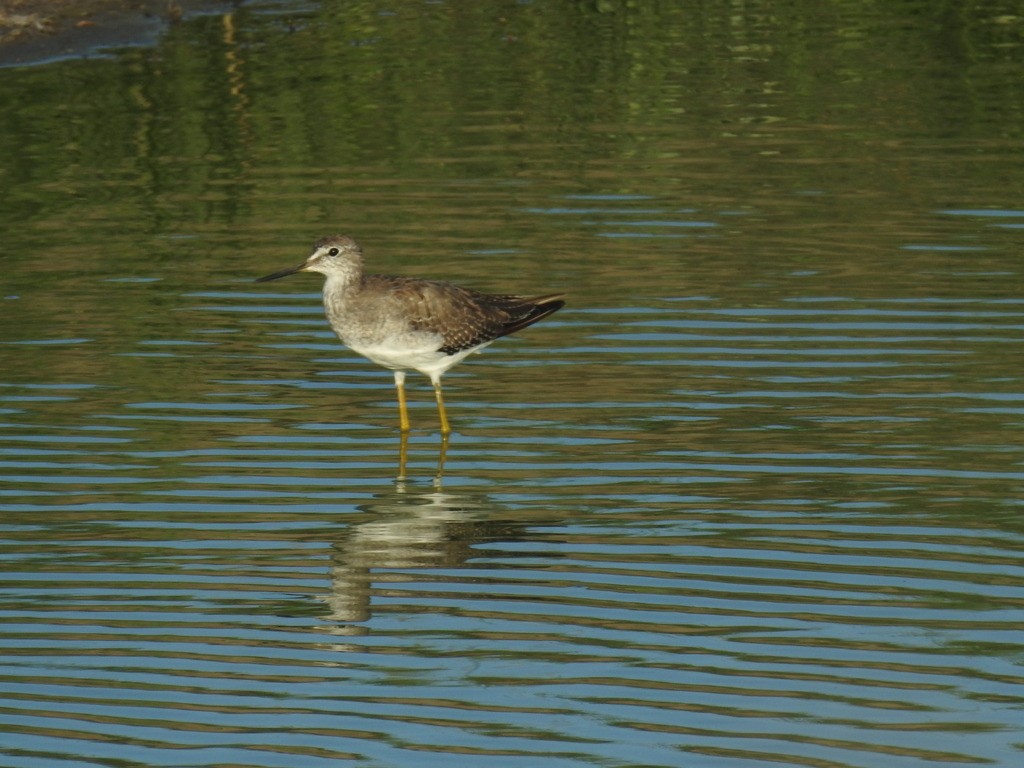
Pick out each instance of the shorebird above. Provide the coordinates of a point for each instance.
(404, 323)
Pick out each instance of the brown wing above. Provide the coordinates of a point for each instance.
(504, 315)
(462, 317)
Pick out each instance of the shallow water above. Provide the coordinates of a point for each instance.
(752, 499)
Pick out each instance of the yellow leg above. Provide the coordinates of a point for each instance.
(446, 428)
(403, 412)
(403, 451)
(439, 475)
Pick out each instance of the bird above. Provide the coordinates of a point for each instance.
(406, 323)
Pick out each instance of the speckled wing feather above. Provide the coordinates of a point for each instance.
(503, 315)
(462, 317)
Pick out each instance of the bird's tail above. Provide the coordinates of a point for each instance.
(531, 310)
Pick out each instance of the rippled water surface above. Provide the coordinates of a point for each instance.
(753, 498)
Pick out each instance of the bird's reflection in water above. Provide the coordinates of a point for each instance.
(406, 529)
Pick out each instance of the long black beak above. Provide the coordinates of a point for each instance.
(282, 273)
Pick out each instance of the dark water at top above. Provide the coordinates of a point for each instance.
(754, 498)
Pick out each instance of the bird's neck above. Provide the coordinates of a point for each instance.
(344, 276)
(338, 287)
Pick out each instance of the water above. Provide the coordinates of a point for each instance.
(752, 499)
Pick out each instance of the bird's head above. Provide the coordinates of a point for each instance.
(334, 255)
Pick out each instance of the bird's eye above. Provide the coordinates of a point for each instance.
(333, 252)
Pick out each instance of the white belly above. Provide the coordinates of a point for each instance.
(422, 356)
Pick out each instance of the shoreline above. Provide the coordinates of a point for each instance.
(40, 31)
